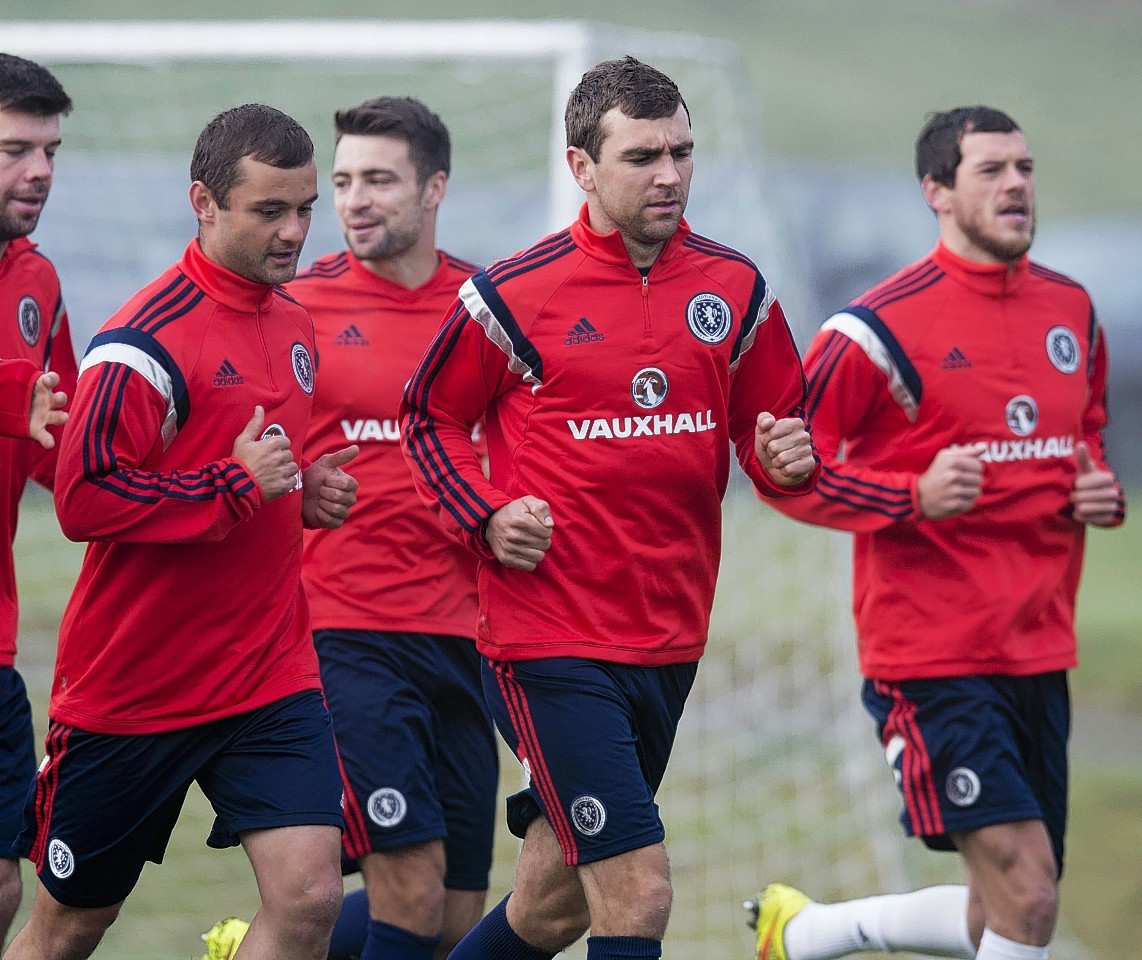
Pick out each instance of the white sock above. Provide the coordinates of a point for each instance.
(933, 921)
(994, 947)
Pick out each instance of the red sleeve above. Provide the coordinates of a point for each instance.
(768, 378)
(1095, 415)
(847, 395)
(17, 381)
(61, 359)
(458, 377)
(102, 492)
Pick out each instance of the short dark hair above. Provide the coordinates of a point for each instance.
(429, 145)
(251, 130)
(637, 89)
(29, 88)
(938, 145)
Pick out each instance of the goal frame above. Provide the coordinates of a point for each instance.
(565, 44)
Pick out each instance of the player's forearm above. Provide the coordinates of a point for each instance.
(138, 506)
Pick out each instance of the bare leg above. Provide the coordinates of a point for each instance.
(10, 891)
(1012, 870)
(547, 907)
(299, 879)
(58, 932)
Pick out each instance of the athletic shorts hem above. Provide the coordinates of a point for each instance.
(479, 884)
(232, 838)
(387, 844)
(626, 845)
(990, 818)
(92, 902)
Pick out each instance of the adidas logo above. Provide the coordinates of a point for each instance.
(227, 376)
(582, 332)
(955, 360)
(350, 337)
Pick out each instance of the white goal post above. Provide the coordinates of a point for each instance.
(776, 774)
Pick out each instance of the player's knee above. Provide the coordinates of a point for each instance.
(310, 907)
(1038, 906)
(650, 902)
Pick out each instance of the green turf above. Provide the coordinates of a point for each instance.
(1110, 621)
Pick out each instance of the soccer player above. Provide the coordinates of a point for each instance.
(958, 407)
(614, 362)
(185, 652)
(34, 336)
(393, 595)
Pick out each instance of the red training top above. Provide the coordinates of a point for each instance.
(615, 397)
(34, 338)
(390, 567)
(948, 351)
(189, 605)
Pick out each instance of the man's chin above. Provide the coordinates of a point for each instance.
(12, 228)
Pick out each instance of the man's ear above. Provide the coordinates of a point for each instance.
(434, 189)
(936, 194)
(582, 167)
(202, 202)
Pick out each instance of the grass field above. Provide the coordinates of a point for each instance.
(1102, 888)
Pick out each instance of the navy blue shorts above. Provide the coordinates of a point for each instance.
(104, 804)
(594, 739)
(17, 757)
(970, 752)
(417, 745)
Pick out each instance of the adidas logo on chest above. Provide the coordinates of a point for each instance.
(227, 375)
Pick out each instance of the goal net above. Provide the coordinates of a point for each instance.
(776, 774)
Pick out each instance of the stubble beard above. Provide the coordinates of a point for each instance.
(11, 228)
(1006, 251)
(392, 244)
(264, 271)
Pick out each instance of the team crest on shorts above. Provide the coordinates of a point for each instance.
(302, 366)
(387, 807)
(30, 320)
(962, 787)
(1063, 349)
(60, 858)
(588, 815)
(649, 387)
(1022, 415)
(708, 317)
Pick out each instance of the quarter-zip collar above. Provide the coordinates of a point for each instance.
(609, 247)
(392, 289)
(16, 247)
(990, 279)
(222, 285)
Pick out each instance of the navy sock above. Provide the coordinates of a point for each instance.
(386, 942)
(351, 928)
(494, 939)
(623, 948)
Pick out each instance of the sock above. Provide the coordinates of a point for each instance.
(933, 920)
(494, 939)
(386, 942)
(623, 948)
(994, 947)
(351, 928)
